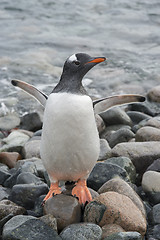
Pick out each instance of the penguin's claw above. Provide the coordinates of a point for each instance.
(82, 192)
(54, 190)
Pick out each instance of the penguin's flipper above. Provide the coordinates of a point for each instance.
(40, 96)
(103, 104)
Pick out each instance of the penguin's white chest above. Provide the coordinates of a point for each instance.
(70, 141)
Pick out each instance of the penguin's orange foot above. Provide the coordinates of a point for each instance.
(54, 190)
(82, 192)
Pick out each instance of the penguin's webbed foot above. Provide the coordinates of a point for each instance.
(82, 192)
(54, 190)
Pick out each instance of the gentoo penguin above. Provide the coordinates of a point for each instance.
(70, 141)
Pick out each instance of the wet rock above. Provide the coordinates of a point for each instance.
(147, 206)
(104, 148)
(115, 116)
(150, 185)
(66, 209)
(31, 122)
(145, 134)
(137, 117)
(7, 207)
(139, 125)
(38, 133)
(110, 229)
(153, 122)
(120, 186)
(102, 172)
(100, 123)
(9, 121)
(31, 213)
(142, 154)
(112, 207)
(3, 108)
(156, 232)
(8, 102)
(11, 181)
(27, 177)
(36, 165)
(83, 231)
(154, 197)
(41, 171)
(132, 140)
(125, 236)
(9, 159)
(149, 233)
(2, 135)
(150, 181)
(107, 133)
(121, 135)
(4, 193)
(14, 142)
(155, 166)
(28, 227)
(35, 138)
(126, 164)
(38, 208)
(46, 177)
(94, 194)
(140, 107)
(27, 166)
(4, 173)
(28, 133)
(17, 138)
(154, 94)
(154, 215)
(31, 149)
(3, 221)
(50, 220)
(113, 128)
(26, 194)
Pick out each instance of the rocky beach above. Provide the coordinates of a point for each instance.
(36, 38)
(38, 35)
(125, 182)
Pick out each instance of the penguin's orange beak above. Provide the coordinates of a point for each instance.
(97, 60)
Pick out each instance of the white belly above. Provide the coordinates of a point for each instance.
(70, 141)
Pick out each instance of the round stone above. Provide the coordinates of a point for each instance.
(7, 207)
(27, 227)
(112, 207)
(120, 186)
(83, 231)
(102, 172)
(146, 134)
(66, 209)
(115, 116)
(151, 181)
(154, 94)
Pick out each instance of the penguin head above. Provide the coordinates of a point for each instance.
(75, 67)
(79, 64)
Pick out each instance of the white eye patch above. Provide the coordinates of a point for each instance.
(72, 58)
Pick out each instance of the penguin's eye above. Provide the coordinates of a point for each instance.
(77, 62)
